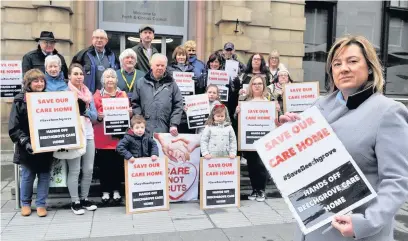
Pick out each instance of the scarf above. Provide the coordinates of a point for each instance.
(83, 93)
(104, 92)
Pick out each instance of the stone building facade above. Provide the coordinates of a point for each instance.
(263, 26)
(302, 31)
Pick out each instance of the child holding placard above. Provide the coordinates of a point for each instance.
(218, 138)
(136, 143)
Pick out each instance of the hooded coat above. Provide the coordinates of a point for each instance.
(159, 102)
(219, 140)
(137, 146)
(19, 132)
(35, 60)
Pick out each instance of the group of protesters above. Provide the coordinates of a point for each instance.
(156, 106)
(145, 77)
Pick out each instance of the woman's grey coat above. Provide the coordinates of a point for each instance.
(374, 130)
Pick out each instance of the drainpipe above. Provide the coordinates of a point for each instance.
(200, 26)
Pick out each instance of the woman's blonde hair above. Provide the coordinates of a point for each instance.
(250, 95)
(273, 54)
(376, 78)
(190, 44)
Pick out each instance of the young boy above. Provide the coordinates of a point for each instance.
(136, 144)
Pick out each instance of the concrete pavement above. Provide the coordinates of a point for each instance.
(268, 220)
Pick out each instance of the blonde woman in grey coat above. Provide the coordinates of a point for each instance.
(218, 138)
(374, 130)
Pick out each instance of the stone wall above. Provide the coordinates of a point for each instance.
(23, 21)
(263, 27)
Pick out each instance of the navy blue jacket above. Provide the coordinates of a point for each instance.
(137, 146)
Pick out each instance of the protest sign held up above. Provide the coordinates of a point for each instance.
(146, 184)
(11, 77)
(185, 82)
(54, 121)
(297, 97)
(116, 112)
(315, 174)
(256, 119)
(220, 183)
(221, 79)
(198, 110)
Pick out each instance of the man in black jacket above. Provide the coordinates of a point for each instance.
(144, 50)
(46, 46)
(95, 59)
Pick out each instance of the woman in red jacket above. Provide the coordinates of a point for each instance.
(109, 161)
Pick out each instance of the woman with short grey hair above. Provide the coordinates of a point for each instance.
(127, 74)
(110, 163)
(53, 74)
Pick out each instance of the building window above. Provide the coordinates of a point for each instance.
(318, 39)
(360, 18)
(315, 40)
(397, 58)
(399, 4)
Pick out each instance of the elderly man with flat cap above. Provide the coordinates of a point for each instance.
(46, 46)
(145, 50)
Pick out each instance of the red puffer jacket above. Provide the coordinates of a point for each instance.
(103, 141)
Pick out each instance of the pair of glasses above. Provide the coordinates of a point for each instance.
(257, 59)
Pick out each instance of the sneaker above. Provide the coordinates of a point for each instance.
(85, 203)
(116, 196)
(261, 196)
(105, 197)
(77, 208)
(253, 195)
(25, 211)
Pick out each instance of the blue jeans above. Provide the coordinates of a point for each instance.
(26, 187)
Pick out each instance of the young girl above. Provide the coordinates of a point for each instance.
(218, 138)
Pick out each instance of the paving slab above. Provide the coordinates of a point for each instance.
(185, 209)
(31, 220)
(67, 216)
(110, 214)
(277, 203)
(118, 238)
(192, 223)
(254, 233)
(163, 236)
(68, 231)
(229, 219)
(24, 233)
(154, 222)
(9, 207)
(112, 228)
(204, 235)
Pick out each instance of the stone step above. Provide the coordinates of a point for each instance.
(6, 144)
